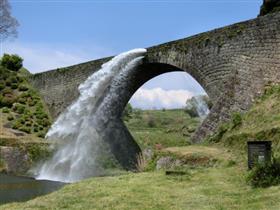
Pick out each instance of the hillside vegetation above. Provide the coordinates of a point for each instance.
(261, 122)
(24, 119)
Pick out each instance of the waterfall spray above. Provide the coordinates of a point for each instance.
(79, 143)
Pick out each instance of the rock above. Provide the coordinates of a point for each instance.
(167, 163)
(16, 160)
(148, 154)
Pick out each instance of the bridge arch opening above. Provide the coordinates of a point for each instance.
(156, 111)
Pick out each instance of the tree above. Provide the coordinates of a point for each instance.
(8, 24)
(270, 6)
(11, 62)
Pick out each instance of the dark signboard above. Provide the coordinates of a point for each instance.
(259, 152)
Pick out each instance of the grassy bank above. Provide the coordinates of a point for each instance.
(219, 187)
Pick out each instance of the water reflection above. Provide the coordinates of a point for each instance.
(15, 188)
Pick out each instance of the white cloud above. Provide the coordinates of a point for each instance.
(41, 57)
(158, 98)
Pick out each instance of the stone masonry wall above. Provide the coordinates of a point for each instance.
(233, 64)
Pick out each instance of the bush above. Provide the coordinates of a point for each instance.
(151, 121)
(23, 88)
(10, 117)
(19, 108)
(269, 6)
(8, 101)
(14, 86)
(41, 134)
(11, 62)
(2, 85)
(6, 110)
(265, 175)
(25, 129)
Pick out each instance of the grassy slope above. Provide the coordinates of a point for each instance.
(221, 186)
(261, 122)
(165, 127)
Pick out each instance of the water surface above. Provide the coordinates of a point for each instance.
(16, 188)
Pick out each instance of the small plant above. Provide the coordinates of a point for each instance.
(23, 87)
(6, 110)
(141, 162)
(10, 117)
(14, 86)
(19, 108)
(265, 175)
(2, 85)
(151, 121)
(236, 120)
(25, 129)
(41, 134)
(8, 101)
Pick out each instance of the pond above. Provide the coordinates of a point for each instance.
(16, 188)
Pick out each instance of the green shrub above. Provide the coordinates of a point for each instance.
(13, 79)
(14, 86)
(22, 100)
(16, 125)
(23, 87)
(11, 62)
(8, 82)
(7, 91)
(265, 175)
(25, 129)
(19, 108)
(10, 117)
(2, 85)
(151, 122)
(41, 134)
(6, 110)
(8, 101)
(28, 123)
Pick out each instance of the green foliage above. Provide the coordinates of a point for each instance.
(265, 175)
(25, 129)
(38, 152)
(10, 117)
(127, 112)
(11, 62)
(6, 110)
(236, 119)
(2, 85)
(270, 6)
(23, 87)
(7, 101)
(151, 121)
(19, 108)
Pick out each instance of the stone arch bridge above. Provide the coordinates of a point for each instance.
(233, 64)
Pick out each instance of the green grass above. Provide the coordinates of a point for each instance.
(217, 187)
(165, 127)
(261, 122)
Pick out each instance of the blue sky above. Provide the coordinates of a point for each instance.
(59, 33)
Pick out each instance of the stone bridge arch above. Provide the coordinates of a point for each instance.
(233, 64)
